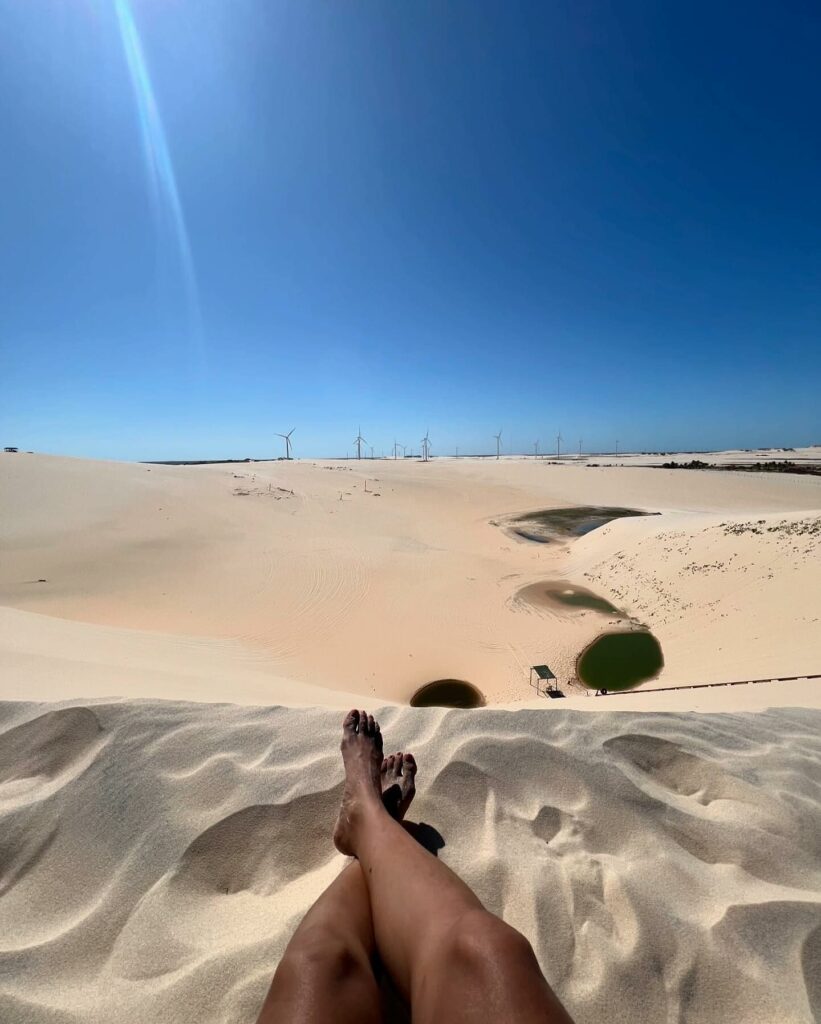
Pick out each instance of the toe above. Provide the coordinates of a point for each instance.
(384, 767)
(389, 761)
(351, 721)
(397, 769)
(363, 722)
(409, 765)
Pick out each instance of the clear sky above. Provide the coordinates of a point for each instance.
(221, 219)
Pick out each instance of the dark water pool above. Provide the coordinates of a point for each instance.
(561, 523)
(447, 693)
(620, 661)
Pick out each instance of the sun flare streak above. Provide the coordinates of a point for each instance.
(162, 180)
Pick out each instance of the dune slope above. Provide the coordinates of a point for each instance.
(156, 857)
(255, 582)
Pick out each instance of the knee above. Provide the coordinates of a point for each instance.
(325, 957)
(480, 939)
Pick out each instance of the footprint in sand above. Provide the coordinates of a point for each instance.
(683, 773)
(234, 872)
(548, 823)
(40, 756)
(260, 848)
(724, 819)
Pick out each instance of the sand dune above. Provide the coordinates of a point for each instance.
(376, 579)
(156, 857)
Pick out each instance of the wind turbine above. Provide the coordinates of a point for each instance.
(359, 440)
(426, 446)
(287, 439)
(498, 443)
(580, 447)
(536, 448)
(559, 445)
(396, 447)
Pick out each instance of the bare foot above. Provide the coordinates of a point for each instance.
(362, 755)
(398, 784)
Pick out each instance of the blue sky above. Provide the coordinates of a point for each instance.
(595, 217)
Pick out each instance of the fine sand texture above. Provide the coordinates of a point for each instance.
(302, 582)
(155, 857)
(177, 646)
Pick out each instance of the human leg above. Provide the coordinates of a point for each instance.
(326, 973)
(452, 959)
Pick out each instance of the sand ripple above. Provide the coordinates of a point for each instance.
(155, 858)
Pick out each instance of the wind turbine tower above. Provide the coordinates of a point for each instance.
(426, 446)
(498, 443)
(536, 448)
(287, 439)
(559, 445)
(359, 441)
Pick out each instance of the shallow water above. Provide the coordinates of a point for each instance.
(569, 522)
(554, 594)
(447, 693)
(620, 661)
(539, 538)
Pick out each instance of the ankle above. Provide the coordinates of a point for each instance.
(366, 809)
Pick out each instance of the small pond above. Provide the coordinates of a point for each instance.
(562, 523)
(620, 661)
(560, 594)
(447, 693)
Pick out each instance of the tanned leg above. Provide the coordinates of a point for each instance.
(454, 961)
(326, 973)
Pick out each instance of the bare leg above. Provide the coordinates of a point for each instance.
(326, 973)
(453, 960)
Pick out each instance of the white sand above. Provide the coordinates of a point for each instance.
(244, 596)
(156, 856)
